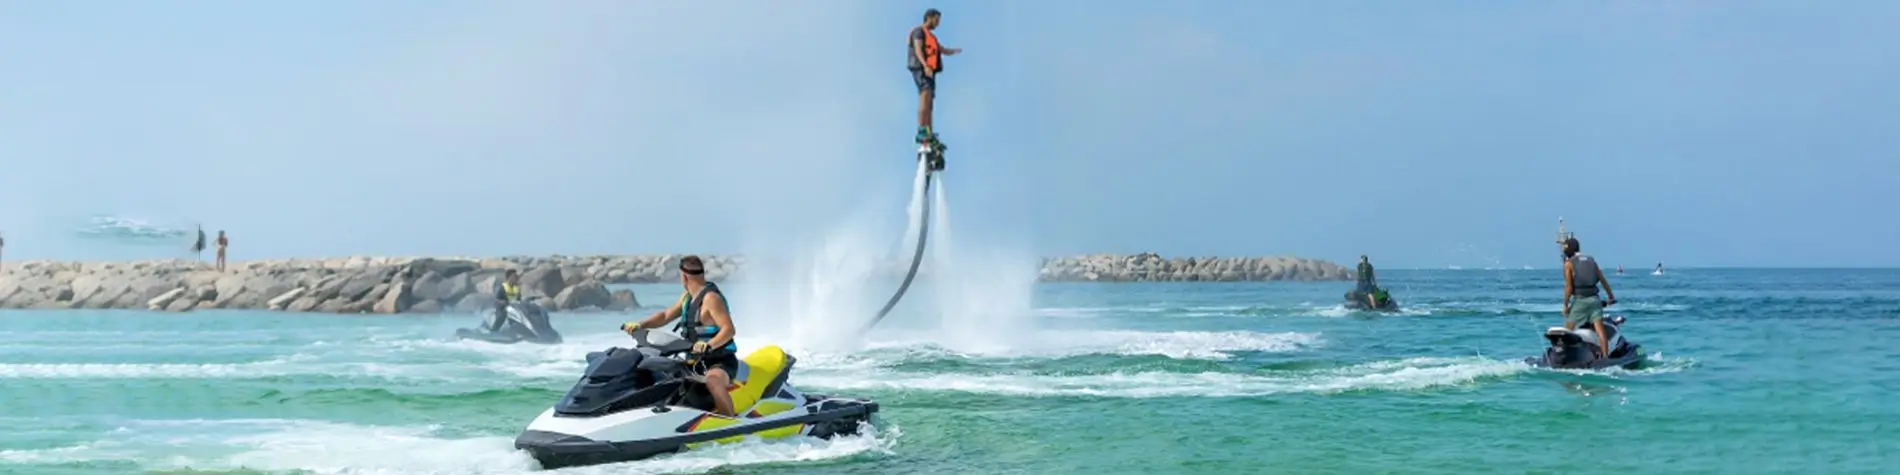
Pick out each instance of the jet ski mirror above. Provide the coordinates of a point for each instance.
(1616, 320)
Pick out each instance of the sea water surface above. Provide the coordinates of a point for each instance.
(1752, 371)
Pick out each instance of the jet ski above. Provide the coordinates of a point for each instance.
(1577, 349)
(637, 403)
(525, 322)
(1356, 300)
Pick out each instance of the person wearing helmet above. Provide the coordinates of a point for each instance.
(1581, 279)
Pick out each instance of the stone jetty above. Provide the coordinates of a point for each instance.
(429, 285)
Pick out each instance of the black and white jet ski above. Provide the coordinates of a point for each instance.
(636, 403)
(525, 322)
(1578, 349)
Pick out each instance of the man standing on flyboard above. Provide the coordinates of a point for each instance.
(925, 61)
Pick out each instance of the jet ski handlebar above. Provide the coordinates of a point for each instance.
(667, 344)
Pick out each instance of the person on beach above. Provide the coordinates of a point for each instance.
(707, 321)
(925, 61)
(1581, 278)
(507, 290)
(222, 243)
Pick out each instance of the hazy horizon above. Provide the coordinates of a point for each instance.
(1698, 134)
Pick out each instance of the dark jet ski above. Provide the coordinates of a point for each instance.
(1356, 300)
(525, 322)
(1577, 349)
(636, 403)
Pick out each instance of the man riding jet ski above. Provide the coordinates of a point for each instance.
(637, 403)
(651, 400)
(513, 320)
(1367, 295)
(1587, 340)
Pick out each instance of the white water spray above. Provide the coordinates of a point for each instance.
(983, 294)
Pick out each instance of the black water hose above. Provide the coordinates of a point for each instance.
(916, 258)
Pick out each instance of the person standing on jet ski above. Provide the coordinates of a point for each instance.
(707, 321)
(1581, 278)
(1368, 285)
(507, 290)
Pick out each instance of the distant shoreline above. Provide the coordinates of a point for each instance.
(567, 283)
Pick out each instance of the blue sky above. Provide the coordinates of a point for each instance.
(1423, 133)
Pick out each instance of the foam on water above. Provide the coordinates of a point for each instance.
(308, 446)
(1400, 375)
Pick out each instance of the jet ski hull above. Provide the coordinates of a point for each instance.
(1577, 349)
(1554, 359)
(555, 449)
(632, 404)
(503, 337)
(525, 322)
(1356, 300)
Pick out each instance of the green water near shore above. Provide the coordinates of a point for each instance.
(1772, 371)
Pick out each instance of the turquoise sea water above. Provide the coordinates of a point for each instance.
(1753, 371)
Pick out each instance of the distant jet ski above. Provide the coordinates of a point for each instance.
(526, 322)
(1578, 349)
(1356, 300)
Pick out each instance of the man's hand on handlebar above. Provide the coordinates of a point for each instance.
(700, 347)
(629, 327)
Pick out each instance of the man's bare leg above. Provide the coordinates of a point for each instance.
(717, 383)
(925, 100)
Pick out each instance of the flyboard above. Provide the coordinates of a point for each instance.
(929, 162)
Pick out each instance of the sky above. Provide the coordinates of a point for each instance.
(1426, 134)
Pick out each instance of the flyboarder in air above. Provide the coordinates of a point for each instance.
(925, 62)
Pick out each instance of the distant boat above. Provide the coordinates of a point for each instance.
(1619, 269)
(1658, 270)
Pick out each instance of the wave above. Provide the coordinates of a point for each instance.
(1400, 375)
(308, 446)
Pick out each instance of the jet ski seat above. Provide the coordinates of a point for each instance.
(761, 373)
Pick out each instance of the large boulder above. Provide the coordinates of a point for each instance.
(473, 302)
(359, 286)
(542, 281)
(588, 293)
(396, 299)
(623, 299)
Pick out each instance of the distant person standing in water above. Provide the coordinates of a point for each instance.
(222, 243)
(1581, 279)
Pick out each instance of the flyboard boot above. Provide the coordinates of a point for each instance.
(930, 149)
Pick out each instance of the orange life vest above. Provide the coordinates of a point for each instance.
(933, 52)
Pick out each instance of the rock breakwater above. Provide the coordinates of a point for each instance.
(428, 285)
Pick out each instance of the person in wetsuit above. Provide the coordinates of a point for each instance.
(707, 321)
(1368, 284)
(507, 290)
(1581, 278)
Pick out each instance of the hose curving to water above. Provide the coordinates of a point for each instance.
(917, 257)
